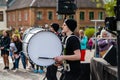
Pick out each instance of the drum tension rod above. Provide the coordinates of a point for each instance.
(45, 58)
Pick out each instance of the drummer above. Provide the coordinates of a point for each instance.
(53, 68)
(71, 55)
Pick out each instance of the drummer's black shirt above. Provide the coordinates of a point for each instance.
(73, 44)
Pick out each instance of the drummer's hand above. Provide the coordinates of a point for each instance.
(58, 58)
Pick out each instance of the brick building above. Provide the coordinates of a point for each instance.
(27, 13)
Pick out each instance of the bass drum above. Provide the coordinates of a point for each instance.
(41, 46)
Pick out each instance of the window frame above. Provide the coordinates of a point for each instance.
(39, 15)
(19, 16)
(60, 17)
(1, 16)
(91, 15)
(83, 17)
(100, 15)
(25, 15)
(50, 16)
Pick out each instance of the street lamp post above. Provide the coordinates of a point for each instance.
(96, 21)
(118, 37)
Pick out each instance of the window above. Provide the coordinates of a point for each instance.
(71, 17)
(91, 15)
(13, 17)
(39, 15)
(19, 16)
(1, 15)
(60, 17)
(50, 15)
(82, 15)
(26, 16)
(100, 15)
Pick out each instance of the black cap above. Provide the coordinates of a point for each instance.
(55, 26)
(71, 23)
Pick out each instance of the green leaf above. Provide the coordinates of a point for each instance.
(109, 7)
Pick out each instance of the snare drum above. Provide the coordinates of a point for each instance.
(41, 46)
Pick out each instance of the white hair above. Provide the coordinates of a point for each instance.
(104, 31)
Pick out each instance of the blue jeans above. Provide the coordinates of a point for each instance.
(23, 58)
(17, 62)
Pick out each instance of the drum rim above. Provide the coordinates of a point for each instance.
(29, 29)
(37, 33)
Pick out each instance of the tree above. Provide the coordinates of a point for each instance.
(109, 7)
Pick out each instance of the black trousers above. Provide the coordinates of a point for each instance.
(70, 76)
(51, 72)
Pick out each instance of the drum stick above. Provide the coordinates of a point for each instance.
(45, 58)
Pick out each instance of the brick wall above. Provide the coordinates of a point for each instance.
(32, 20)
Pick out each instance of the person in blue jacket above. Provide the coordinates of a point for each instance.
(83, 44)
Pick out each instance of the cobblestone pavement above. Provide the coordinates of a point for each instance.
(28, 75)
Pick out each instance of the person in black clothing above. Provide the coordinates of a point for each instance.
(18, 45)
(4, 47)
(53, 68)
(71, 57)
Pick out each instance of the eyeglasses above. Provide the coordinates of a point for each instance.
(104, 34)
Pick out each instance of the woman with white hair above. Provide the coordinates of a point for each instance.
(104, 42)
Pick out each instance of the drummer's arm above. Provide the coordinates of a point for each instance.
(76, 56)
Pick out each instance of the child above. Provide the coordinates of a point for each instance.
(12, 50)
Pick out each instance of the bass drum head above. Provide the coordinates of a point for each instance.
(44, 44)
(26, 37)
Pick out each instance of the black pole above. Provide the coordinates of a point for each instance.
(118, 37)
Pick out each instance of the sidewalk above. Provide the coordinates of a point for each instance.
(29, 75)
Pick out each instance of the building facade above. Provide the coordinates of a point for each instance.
(3, 18)
(27, 13)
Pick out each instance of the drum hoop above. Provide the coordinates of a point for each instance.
(32, 33)
(43, 31)
(29, 29)
(35, 34)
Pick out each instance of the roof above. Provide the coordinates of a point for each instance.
(45, 3)
(18, 4)
(3, 3)
(90, 3)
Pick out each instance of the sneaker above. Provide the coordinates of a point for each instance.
(4, 68)
(15, 70)
(7, 68)
(40, 71)
(30, 68)
(35, 71)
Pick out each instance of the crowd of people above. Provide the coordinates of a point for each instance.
(12, 46)
(74, 51)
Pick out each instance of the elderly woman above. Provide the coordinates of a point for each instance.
(104, 42)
